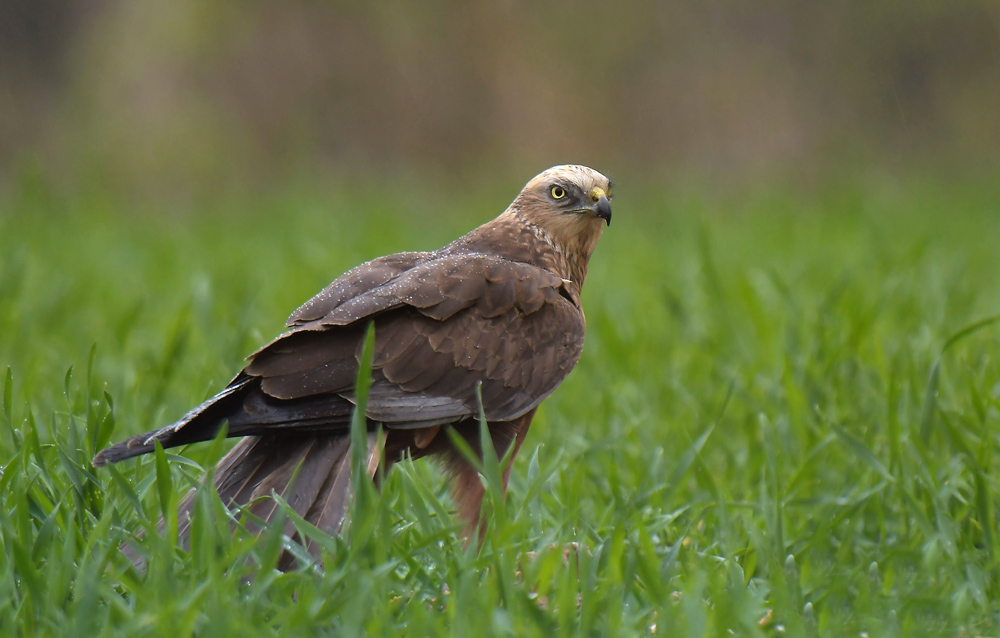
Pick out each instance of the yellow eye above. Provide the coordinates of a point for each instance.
(558, 192)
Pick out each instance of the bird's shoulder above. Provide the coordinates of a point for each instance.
(354, 282)
(462, 274)
(444, 322)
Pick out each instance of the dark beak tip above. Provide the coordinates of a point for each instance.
(603, 209)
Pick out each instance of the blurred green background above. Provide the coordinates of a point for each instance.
(174, 101)
(780, 424)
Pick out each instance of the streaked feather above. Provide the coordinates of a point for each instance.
(498, 307)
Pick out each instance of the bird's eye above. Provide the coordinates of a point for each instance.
(558, 192)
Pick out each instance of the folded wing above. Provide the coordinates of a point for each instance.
(443, 324)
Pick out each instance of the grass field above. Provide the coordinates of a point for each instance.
(780, 424)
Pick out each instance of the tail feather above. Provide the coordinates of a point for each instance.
(240, 471)
(312, 473)
(297, 481)
(328, 509)
(234, 479)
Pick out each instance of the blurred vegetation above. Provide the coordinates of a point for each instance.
(179, 99)
(771, 431)
(754, 443)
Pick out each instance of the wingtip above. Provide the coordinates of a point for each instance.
(135, 446)
(106, 456)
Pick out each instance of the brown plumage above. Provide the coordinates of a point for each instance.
(498, 307)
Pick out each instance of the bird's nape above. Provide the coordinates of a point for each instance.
(497, 311)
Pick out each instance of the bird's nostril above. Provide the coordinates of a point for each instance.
(597, 193)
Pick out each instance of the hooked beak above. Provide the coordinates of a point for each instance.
(601, 207)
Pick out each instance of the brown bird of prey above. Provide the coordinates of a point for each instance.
(498, 307)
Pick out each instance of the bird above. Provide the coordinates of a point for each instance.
(492, 320)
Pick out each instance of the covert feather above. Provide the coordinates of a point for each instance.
(498, 307)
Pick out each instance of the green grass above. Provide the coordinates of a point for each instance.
(766, 434)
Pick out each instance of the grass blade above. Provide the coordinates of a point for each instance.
(933, 377)
(862, 452)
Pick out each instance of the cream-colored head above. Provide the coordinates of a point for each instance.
(571, 204)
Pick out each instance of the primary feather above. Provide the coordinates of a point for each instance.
(499, 307)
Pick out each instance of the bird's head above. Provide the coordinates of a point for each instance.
(571, 203)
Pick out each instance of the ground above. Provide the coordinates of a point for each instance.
(778, 425)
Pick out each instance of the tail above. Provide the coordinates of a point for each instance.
(311, 472)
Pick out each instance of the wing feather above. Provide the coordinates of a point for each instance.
(443, 324)
(365, 277)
